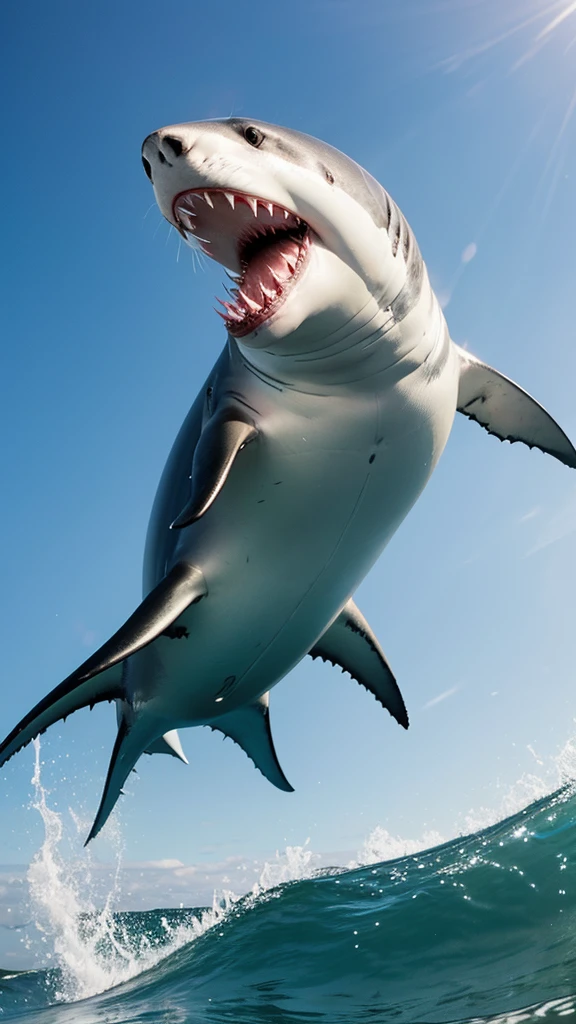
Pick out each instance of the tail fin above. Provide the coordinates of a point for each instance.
(131, 741)
(69, 696)
(100, 677)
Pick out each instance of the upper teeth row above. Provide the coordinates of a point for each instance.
(187, 204)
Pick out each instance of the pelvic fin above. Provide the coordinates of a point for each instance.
(249, 727)
(169, 743)
(350, 643)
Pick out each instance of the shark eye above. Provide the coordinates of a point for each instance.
(253, 136)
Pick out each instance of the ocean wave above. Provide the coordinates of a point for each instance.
(480, 928)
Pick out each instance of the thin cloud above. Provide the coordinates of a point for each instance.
(441, 696)
(559, 527)
(469, 253)
(530, 515)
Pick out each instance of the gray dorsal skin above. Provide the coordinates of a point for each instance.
(339, 367)
(350, 644)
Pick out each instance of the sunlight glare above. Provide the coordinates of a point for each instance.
(553, 25)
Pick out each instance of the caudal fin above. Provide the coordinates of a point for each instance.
(100, 677)
(69, 696)
(131, 741)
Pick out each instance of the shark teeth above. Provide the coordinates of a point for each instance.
(232, 311)
(265, 240)
(249, 303)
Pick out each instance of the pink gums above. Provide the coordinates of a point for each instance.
(263, 242)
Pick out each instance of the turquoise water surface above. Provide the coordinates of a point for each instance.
(479, 929)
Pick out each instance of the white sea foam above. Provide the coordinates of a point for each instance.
(85, 941)
(92, 958)
(381, 845)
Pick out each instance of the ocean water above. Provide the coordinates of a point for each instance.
(479, 929)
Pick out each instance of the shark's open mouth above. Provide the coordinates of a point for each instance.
(264, 245)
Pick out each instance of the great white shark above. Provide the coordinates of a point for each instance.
(313, 436)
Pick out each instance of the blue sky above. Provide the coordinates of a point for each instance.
(108, 335)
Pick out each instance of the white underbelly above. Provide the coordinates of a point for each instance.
(289, 539)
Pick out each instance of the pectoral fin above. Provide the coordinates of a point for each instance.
(183, 585)
(249, 727)
(350, 643)
(508, 412)
(221, 440)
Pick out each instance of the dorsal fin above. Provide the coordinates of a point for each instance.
(249, 727)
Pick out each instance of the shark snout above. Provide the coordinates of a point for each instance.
(165, 147)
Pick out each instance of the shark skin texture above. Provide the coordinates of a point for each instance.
(316, 431)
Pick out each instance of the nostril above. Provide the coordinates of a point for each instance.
(147, 167)
(161, 157)
(175, 144)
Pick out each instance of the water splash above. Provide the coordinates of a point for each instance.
(381, 845)
(88, 943)
(295, 864)
(510, 876)
(91, 949)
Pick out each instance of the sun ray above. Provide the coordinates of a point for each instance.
(538, 45)
(451, 64)
(553, 25)
(554, 161)
(509, 179)
(454, 62)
